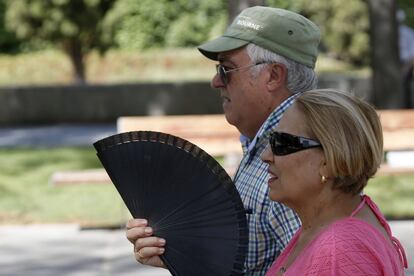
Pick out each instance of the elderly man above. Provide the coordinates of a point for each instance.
(266, 57)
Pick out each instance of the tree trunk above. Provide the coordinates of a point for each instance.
(387, 88)
(73, 49)
(236, 6)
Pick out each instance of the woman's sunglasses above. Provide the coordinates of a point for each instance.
(284, 143)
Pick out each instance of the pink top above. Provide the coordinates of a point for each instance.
(349, 246)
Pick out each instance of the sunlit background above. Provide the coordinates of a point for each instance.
(69, 69)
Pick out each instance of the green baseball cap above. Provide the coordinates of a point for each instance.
(281, 31)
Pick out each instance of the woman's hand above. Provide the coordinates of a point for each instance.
(147, 248)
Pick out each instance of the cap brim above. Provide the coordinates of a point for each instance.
(212, 48)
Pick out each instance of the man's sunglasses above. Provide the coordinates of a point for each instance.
(223, 72)
(284, 143)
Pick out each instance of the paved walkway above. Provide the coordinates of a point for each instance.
(50, 250)
(65, 250)
(54, 135)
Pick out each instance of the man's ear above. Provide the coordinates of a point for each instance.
(277, 77)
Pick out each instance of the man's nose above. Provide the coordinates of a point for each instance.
(216, 82)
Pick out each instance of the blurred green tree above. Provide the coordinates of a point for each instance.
(234, 7)
(166, 23)
(295, 6)
(385, 63)
(408, 7)
(76, 26)
(344, 26)
(8, 41)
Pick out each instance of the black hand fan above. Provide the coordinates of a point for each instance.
(187, 197)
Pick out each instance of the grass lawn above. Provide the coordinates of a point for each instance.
(27, 197)
(394, 195)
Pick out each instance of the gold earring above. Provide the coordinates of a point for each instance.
(324, 179)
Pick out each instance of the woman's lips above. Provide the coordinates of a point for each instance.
(272, 177)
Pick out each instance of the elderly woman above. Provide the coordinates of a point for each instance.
(326, 147)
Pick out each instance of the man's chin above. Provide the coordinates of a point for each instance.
(229, 117)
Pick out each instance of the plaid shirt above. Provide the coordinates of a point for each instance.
(271, 224)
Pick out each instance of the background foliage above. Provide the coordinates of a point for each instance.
(8, 41)
(144, 24)
(408, 7)
(57, 20)
(344, 26)
(28, 25)
(166, 23)
(74, 26)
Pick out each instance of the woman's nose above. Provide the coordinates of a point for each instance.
(267, 155)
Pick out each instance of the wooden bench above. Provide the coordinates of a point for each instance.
(398, 131)
(213, 134)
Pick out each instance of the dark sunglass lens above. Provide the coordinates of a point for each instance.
(283, 143)
(275, 145)
(280, 150)
(222, 73)
(288, 140)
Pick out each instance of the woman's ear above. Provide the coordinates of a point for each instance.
(323, 170)
(277, 76)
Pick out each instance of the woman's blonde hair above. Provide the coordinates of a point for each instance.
(350, 132)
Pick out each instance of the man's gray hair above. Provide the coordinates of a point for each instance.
(300, 78)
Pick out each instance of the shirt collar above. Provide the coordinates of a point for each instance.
(269, 125)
